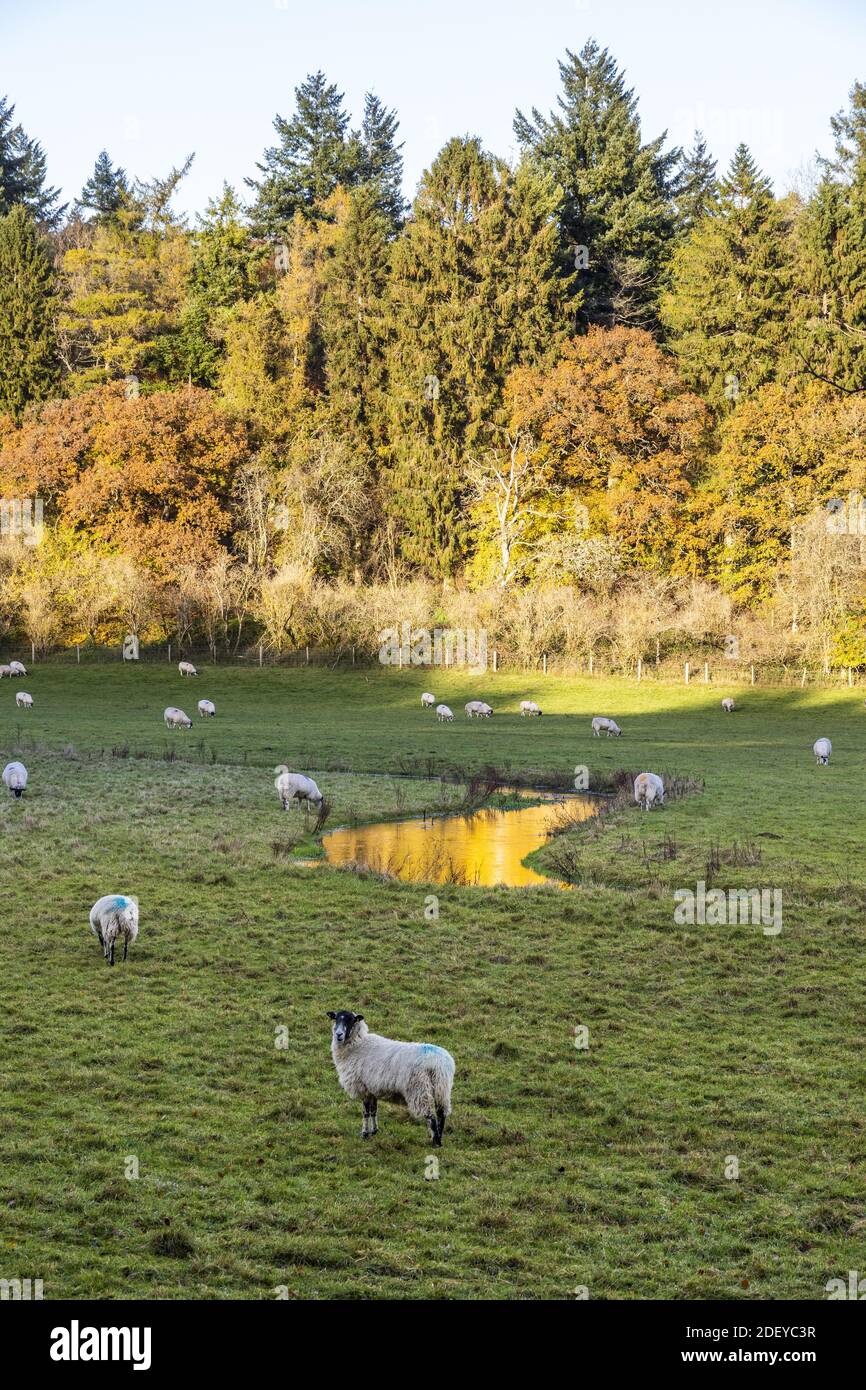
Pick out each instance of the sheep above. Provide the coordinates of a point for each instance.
(293, 786)
(5, 671)
(207, 709)
(649, 789)
(16, 669)
(23, 700)
(728, 705)
(476, 709)
(371, 1068)
(602, 725)
(528, 708)
(176, 719)
(111, 917)
(186, 668)
(427, 700)
(15, 778)
(444, 714)
(822, 748)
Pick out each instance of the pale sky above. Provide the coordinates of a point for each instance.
(153, 80)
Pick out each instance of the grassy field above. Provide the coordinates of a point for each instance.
(564, 1168)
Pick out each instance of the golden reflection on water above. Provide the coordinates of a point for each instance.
(486, 848)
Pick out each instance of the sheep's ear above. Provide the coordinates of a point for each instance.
(331, 1014)
(359, 1018)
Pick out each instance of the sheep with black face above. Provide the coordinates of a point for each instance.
(371, 1068)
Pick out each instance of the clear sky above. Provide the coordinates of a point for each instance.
(152, 80)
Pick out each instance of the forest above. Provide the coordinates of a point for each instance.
(607, 398)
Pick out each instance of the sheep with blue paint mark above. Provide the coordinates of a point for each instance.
(371, 1068)
(111, 917)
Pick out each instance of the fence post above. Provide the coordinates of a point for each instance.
(638, 668)
(850, 676)
(353, 656)
(753, 675)
(590, 663)
(544, 663)
(687, 673)
(495, 661)
(706, 672)
(658, 646)
(803, 677)
(260, 653)
(308, 655)
(78, 653)
(169, 651)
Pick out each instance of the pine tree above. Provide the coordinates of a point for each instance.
(381, 162)
(616, 213)
(831, 263)
(106, 190)
(354, 325)
(316, 152)
(23, 169)
(697, 188)
(475, 288)
(29, 368)
(727, 307)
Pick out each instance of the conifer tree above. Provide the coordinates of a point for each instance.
(28, 352)
(106, 190)
(616, 213)
(697, 188)
(23, 172)
(727, 305)
(381, 162)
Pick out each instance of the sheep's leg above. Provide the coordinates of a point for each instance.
(111, 954)
(368, 1128)
(440, 1122)
(433, 1127)
(372, 1107)
(125, 947)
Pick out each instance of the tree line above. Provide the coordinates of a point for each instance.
(603, 365)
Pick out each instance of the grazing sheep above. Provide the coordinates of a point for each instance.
(476, 709)
(176, 719)
(293, 786)
(186, 668)
(15, 778)
(111, 917)
(23, 700)
(528, 708)
(207, 709)
(5, 671)
(822, 748)
(728, 705)
(371, 1068)
(16, 669)
(649, 789)
(427, 700)
(602, 725)
(444, 714)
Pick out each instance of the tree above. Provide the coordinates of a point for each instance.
(106, 191)
(476, 288)
(23, 169)
(315, 154)
(29, 367)
(831, 264)
(727, 307)
(697, 188)
(381, 163)
(616, 211)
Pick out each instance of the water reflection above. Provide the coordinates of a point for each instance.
(486, 848)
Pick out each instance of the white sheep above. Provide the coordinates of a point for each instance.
(528, 708)
(372, 1068)
(113, 916)
(15, 778)
(728, 705)
(16, 669)
(294, 786)
(602, 725)
(23, 700)
(176, 719)
(476, 709)
(822, 748)
(427, 700)
(186, 668)
(649, 789)
(207, 709)
(444, 714)
(5, 671)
